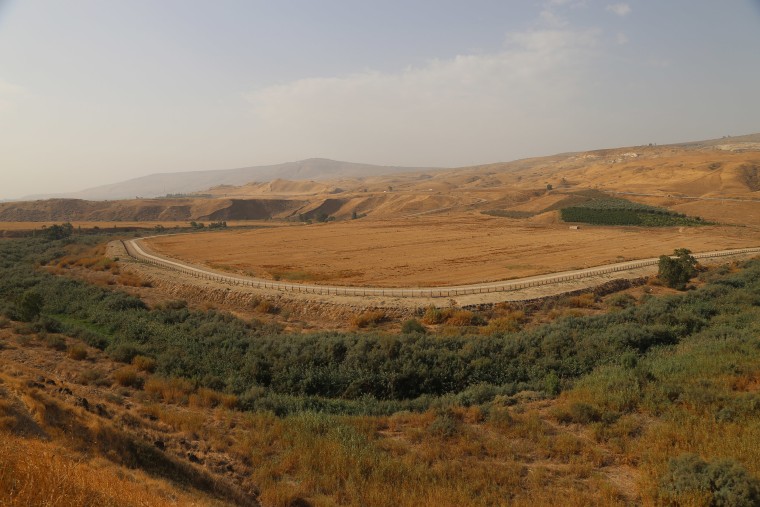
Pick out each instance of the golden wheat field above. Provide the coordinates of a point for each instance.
(436, 250)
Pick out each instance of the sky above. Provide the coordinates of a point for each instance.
(100, 91)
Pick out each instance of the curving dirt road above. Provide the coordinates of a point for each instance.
(629, 269)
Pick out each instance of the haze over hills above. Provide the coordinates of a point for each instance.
(156, 185)
(697, 178)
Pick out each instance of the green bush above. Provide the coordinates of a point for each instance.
(724, 483)
(30, 306)
(623, 300)
(552, 384)
(55, 232)
(445, 425)
(123, 353)
(412, 326)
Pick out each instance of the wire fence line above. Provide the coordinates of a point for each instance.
(135, 251)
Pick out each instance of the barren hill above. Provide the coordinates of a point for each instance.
(156, 185)
(687, 177)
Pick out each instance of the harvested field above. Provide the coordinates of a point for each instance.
(435, 250)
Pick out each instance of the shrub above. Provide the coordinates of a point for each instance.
(122, 353)
(93, 376)
(552, 384)
(59, 231)
(172, 390)
(500, 418)
(55, 342)
(204, 398)
(721, 483)
(582, 301)
(478, 394)
(412, 326)
(623, 300)
(229, 401)
(266, 306)
(143, 363)
(506, 324)
(208, 398)
(77, 352)
(368, 318)
(461, 318)
(49, 324)
(133, 280)
(127, 377)
(30, 306)
(445, 425)
(584, 413)
(435, 315)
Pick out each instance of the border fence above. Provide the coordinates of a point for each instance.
(135, 251)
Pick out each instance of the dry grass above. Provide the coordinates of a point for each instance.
(174, 390)
(77, 352)
(142, 363)
(434, 315)
(436, 250)
(33, 472)
(394, 461)
(369, 318)
(511, 322)
(127, 376)
(461, 318)
(582, 301)
(208, 398)
(132, 280)
(57, 450)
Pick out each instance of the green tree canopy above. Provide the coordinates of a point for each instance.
(677, 270)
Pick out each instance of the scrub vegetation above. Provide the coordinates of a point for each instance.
(656, 402)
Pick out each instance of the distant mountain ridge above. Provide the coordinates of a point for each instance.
(161, 184)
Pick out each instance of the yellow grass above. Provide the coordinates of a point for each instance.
(33, 472)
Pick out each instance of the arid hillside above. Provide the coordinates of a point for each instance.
(156, 185)
(693, 176)
(113, 392)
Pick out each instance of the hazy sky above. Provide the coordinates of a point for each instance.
(98, 91)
